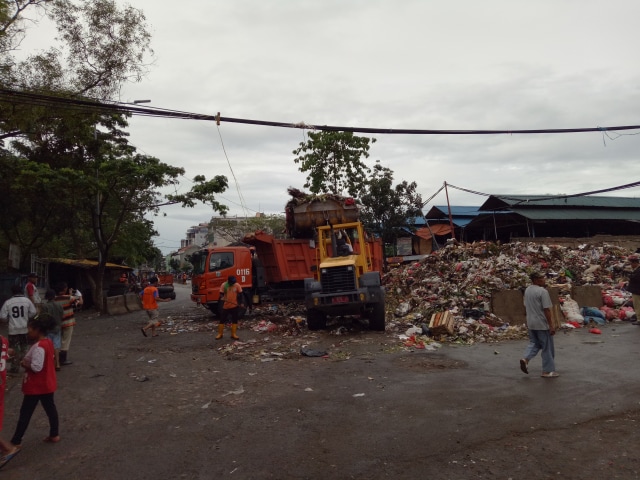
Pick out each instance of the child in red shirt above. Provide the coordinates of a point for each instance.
(39, 383)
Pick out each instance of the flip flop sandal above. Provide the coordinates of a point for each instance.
(8, 457)
(523, 366)
(143, 331)
(550, 375)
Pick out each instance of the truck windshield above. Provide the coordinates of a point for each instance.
(220, 261)
(199, 262)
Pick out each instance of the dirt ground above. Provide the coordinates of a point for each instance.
(183, 405)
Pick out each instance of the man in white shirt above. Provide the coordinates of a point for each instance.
(17, 311)
(77, 294)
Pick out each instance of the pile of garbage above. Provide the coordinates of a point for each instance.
(461, 278)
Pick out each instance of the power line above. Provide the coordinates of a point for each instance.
(92, 106)
(242, 202)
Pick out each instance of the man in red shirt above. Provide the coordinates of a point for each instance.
(150, 298)
(231, 295)
(31, 290)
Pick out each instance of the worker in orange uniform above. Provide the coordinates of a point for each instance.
(150, 298)
(231, 295)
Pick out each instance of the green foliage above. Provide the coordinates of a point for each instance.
(385, 207)
(135, 245)
(272, 224)
(203, 191)
(31, 201)
(233, 230)
(334, 162)
(101, 45)
(174, 264)
(72, 184)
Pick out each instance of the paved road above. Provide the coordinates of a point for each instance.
(178, 406)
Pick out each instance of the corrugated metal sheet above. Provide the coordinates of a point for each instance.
(501, 202)
(578, 214)
(460, 215)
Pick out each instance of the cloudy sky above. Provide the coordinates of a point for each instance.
(414, 64)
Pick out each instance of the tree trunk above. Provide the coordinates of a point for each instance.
(99, 287)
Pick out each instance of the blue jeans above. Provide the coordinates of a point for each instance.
(541, 340)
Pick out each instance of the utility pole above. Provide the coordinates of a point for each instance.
(453, 232)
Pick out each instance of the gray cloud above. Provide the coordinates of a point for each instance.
(410, 64)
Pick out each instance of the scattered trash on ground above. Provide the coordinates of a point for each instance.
(310, 352)
(234, 392)
(443, 298)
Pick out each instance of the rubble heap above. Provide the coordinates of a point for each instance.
(461, 279)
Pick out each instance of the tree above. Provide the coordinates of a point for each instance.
(94, 182)
(29, 201)
(387, 208)
(234, 230)
(100, 46)
(77, 186)
(334, 162)
(174, 264)
(134, 245)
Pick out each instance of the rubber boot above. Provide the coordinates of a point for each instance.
(220, 331)
(234, 329)
(63, 358)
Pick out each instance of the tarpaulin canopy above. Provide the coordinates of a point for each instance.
(85, 264)
(436, 229)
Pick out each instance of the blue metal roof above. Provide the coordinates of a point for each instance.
(578, 214)
(460, 215)
(501, 202)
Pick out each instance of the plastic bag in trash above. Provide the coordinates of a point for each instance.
(309, 352)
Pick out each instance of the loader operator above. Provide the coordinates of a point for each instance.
(231, 295)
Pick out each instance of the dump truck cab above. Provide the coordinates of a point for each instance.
(212, 267)
(345, 282)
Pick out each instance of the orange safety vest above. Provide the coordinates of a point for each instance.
(149, 295)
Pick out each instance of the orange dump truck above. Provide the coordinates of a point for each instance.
(331, 263)
(165, 285)
(263, 265)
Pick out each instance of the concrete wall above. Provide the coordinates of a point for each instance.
(509, 304)
(115, 305)
(133, 302)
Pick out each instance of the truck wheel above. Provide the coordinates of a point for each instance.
(166, 292)
(377, 317)
(316, 320)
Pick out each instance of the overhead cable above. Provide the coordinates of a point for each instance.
(92, 106)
